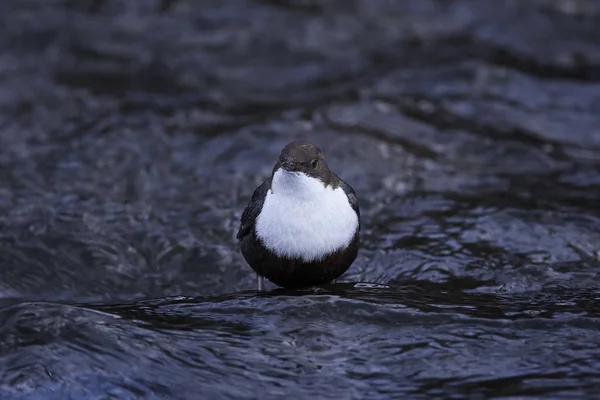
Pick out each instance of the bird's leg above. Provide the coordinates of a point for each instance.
(260, 281)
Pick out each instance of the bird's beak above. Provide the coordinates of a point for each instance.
(288, 166)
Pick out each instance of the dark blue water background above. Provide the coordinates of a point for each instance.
(132, 134)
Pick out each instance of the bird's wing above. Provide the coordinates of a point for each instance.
(351, 196)
(252, 210)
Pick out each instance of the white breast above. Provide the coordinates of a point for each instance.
(301, 218)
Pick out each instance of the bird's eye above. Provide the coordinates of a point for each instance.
(313, 163)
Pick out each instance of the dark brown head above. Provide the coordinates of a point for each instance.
(302, 156)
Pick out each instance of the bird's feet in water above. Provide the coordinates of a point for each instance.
(260, 283)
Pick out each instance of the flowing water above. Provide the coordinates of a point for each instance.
(132, 134)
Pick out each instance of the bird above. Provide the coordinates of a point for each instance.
(301, 227)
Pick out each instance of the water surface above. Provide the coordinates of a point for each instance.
(132, 135)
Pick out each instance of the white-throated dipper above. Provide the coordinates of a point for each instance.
(301, 227)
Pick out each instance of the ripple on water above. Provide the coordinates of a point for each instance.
(366, 340)
(133, 134)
